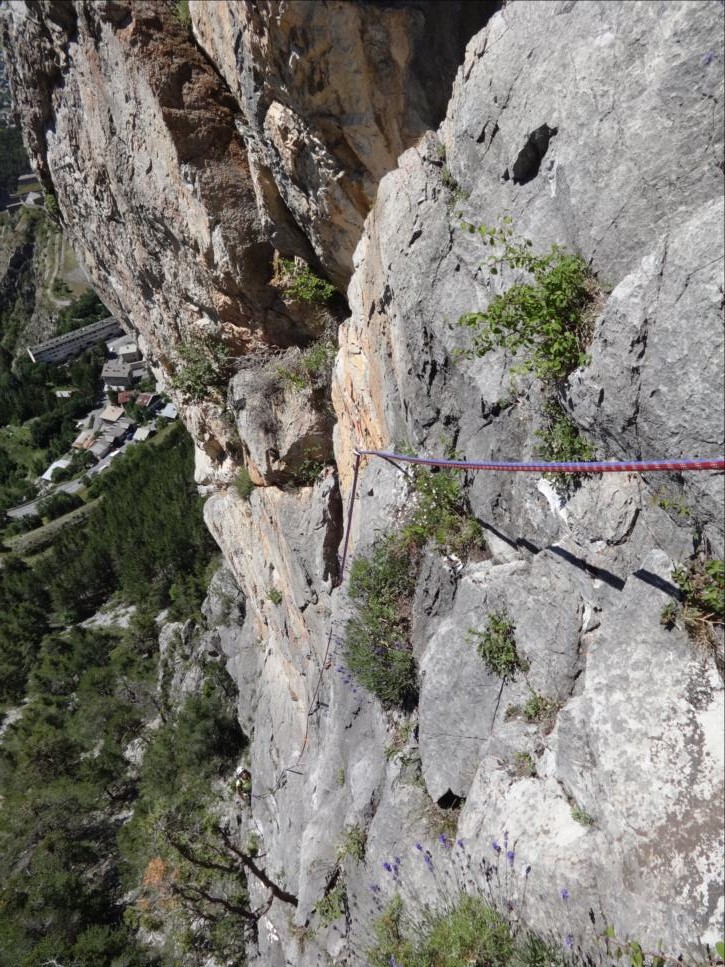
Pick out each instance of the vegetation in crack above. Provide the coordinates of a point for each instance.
(243, 484)
(701, 609)
(497, 645)
(313, 369)
(547, 320)
(203, 369)
(560, 441)
(378, 650)
(300, 283)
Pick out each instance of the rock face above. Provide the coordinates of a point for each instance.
(594, 126)
(331, 93)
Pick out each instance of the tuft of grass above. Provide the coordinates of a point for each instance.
(545, 318)
(243, 484)
(274, 595)
(701, 609)
(401, 737)
(471, 932)
(524, 767)
(497, 645)
(581, 816)
(353, 845)
(340, 776)
(313, 368)
(183, 14)
(561, 442)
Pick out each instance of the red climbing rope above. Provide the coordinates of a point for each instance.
(601, 466)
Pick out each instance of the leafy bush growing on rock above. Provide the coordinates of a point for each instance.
(200, 374)
(546, 318)
(497, 645)
(333, 904)
(377, 643)
(302, 284)
(702, 608)
(354, 844)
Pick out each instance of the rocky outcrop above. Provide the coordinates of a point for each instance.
(594, 126)
(331, 93)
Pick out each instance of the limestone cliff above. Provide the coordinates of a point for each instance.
(184, 166)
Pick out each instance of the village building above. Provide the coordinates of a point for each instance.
(169, 412)
(121, 376)
(111, 414)
(128, 352)
(57, 464)
(143, 433)
(84, 440)
(101, 448)
(60, 348)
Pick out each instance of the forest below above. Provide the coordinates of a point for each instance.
(77, 699)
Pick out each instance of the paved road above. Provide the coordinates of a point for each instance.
(68, 486)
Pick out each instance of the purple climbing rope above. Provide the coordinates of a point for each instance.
(600, 466)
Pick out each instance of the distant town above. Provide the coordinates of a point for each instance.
(128, 411)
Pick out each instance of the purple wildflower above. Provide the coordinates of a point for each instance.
(387, 867)
(564, 894)
(495, 847)
(428, 861)
(510, 856)
(569, 941)
(708, 58)
(442, 839)
(397, 861)
(459, 843)
(419, 847)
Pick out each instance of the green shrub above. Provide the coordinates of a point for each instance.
(274, 595)
(702, 608)
(301, 283)
(546, 318)
(183, 14)
(333, 905)
(243, 484)
(201, 372)
(497, 645)
(561, 442)
(377, 640)
(58, 504)
(441, 514)
(536, 709)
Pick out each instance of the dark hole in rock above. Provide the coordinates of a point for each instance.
(526, 166)
(449, 800)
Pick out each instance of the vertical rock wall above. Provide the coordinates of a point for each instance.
(595, 126)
